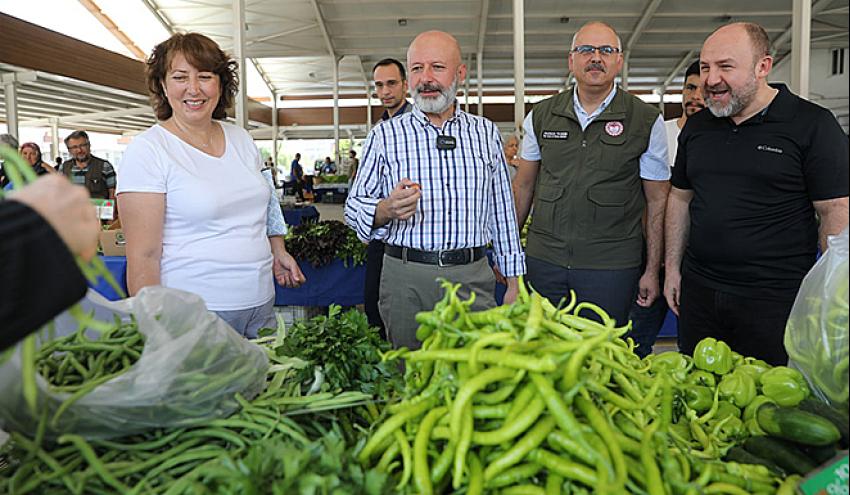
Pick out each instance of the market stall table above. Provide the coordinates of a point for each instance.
(300, 214)
(333, 190)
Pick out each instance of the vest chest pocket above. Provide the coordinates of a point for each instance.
(615, 151)
(543, 218)
(608, 206)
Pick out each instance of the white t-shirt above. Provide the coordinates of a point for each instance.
(673, 131)
(214, 240)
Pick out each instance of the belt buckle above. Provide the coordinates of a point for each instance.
(440, 262)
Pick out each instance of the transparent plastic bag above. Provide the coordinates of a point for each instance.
(817, 334)
(190, 369)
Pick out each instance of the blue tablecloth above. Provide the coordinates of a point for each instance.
(332, 284)
(117, 266)
(297, 216)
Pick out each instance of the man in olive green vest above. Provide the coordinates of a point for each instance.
(593, 159)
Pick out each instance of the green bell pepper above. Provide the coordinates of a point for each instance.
(700, 377)
(699, 398)
(786, 386)
(671, 363)
(713, 355)
(738, 388)
(754, 369)
(727, 429)
(726, 408)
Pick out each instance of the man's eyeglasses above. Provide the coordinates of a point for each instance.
(606, 50)
(78, 146)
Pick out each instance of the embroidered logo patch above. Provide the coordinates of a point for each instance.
(614, 128)
(556, 134)
(771, 149)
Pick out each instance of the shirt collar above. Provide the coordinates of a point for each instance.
(419, 115)
(579, 110)
(402, 109)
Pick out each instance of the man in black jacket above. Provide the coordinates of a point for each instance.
(42, 227)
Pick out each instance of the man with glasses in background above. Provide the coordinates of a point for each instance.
(593, 159)
(85, 169)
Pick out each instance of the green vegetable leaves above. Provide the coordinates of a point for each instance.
(322, 242)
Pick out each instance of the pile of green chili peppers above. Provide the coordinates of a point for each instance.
(530, 398)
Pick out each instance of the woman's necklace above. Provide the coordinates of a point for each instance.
(193, 138)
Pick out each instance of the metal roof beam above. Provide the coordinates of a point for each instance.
(817, 7)
(323, 28)
(91, 116)
(681, 65)
(648, 12)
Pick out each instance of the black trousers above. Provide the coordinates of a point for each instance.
(612, 290)
(751, 326)
(374, 264)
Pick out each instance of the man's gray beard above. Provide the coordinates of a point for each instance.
(737, 101)
(438, 104)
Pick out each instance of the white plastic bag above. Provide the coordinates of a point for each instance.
(817, 334)
(191, 367)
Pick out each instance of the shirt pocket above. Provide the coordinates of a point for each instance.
(608, 211)
(544, 217)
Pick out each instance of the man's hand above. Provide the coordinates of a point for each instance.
(67, 208)
(286, 270)
(500, 279)
(513, 290)
(400, 204)
(648, 289)
(673, 289)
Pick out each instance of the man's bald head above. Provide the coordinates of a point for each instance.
(434, 68)
(437, 39)
(595, 26)
(759, 42)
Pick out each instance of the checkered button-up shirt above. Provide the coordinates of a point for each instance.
(466, 191)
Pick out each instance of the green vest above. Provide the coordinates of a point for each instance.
(589, 199)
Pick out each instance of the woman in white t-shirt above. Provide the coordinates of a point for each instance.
(197, 213)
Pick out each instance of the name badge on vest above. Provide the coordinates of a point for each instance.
(556, 135)
(446, 143)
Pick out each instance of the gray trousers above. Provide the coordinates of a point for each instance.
(248, 321)
(408, 288)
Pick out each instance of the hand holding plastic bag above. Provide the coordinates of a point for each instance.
(191, 367)
(817, 334)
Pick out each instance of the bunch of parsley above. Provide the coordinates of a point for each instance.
(346, 349)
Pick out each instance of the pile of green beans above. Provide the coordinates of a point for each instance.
(169, 460)
(21, 173)
(534, 399)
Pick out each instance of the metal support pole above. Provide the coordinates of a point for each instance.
(466, 84)
(54, 137)
(11, 97)
(519, 65)
(241, 110)
(368, 108)
(275, 128)
(801, 28)
(479, 76)
(336, 111)
(624, 74)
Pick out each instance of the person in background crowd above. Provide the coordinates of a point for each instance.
(58, 162)
(594, 158)
(198, 214)
(296, 171)
(753, 175)
(268, 166)
(647, 321)
(415, 168)
(32, 154)
(511, 148)
(12, 142)
(85, 169)
(42, 227)
(391, 88)
(328, 168)
(353, 163)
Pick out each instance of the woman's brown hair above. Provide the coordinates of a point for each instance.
(205, 55)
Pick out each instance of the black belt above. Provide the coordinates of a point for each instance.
(448, 257)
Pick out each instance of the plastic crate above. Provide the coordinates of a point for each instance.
(291, 314)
